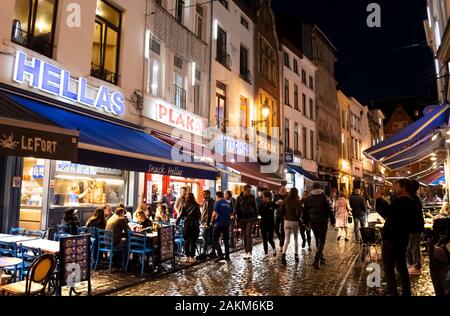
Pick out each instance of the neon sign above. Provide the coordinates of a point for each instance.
(54, 80)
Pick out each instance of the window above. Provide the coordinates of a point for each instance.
(244, 113)
(296, 148)
(222, 47)
(304, 154)
(224, 3)
(179, 9)
(296, 97)
(267, 67)
(34, 25)
(179, 91)
(221, 101)
(178, 62)
(286, 60)
(311, 109)
(311, 145)
(155, 46)
(296, 66)
(197, 95)
(153, 77)
(106, 43)
(303, 77)
(199, 21)
(344, 118)
(304, 104)
(244, 22)
(287, 135)
(311, 83)
(286, 92)
(244, 63)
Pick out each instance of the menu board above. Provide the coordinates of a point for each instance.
(75, 260)
(166, 239)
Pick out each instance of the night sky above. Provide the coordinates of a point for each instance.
(371, 64)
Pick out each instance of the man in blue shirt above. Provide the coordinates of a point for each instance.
(221, 223)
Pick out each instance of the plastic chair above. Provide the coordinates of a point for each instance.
(10, 249)
(137, 244)
(179, 240)
(369, 238)
(37, 278)
(106, 245)
(38, 233)
(17, 231)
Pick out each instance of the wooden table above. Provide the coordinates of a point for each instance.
(47, 246)
(17, 238)
(9, 262)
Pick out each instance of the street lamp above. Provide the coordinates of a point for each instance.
(265, 114)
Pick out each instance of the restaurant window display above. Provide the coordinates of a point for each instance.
(85, 186)
(32, 193)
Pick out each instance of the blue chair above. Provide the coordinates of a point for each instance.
(137, 245)
(28, 256)
(106, 245)
(17, 231)
(179, 240)
(37, 233)
(10, 249)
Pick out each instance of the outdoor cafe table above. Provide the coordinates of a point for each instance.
(9, 261)
(426, 226)
(47, 246)
(4, 235)
(16, 238)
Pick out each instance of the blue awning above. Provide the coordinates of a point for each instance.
(303, 172)
(438, 181)
(410, 135)
(111, 145)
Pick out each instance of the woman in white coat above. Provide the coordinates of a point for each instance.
(342, 213)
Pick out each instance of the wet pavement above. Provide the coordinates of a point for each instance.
(344, 275)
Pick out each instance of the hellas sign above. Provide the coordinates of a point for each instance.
(168, 114)
(54, 80)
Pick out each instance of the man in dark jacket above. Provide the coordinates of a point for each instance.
(399, 218)
(246, 215)
(207, 209)
(316, 213)
(267, 211)
(279, 223)
(230, 199)
(413, 250)
(359, 211)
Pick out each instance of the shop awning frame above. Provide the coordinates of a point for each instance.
(300, 170)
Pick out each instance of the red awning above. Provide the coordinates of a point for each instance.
(431, 177)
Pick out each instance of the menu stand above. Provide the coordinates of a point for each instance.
(166, 245)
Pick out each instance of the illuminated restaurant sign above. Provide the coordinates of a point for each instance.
(56, 81)
(169, 114)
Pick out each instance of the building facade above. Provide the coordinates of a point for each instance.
(376, 127)
(358, 131)
(345, 177)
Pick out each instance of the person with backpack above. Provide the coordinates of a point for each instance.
(291, 211)
(246, 216)
(413, 250)
(317, 212)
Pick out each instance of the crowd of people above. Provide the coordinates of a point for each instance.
(287, 215)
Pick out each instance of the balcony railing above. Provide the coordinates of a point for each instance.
(103, 74)
(180, 97)
(224, 58)
(38, 44)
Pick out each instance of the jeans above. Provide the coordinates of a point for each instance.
(279, 230)
(394, 256)
(413, 251)
(232, 235)
(306, 234)
(191, 233)
(207, 237)
(267, 235)
(320, 233)
(357, 221)
(291, 228)
(247, 226)
(225, 232)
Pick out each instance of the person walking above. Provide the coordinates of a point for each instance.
(221, 224)
(342, 213)
(191, 213)
(305, 231)
(359, 211)
(291, 211)
(232, 201)
(413, 249)
(318, 211)
(279, 225)
(246, 214)
(267, 212)
(207, 209)
(399, 218)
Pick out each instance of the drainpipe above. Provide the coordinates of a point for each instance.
(210, 63)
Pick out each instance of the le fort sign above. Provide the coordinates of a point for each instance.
(53, 80)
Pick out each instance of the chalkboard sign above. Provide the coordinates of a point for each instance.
(75, 260)
(166, 236)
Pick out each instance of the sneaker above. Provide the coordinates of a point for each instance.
(297, 259)
(303, 244)
(346, 239)
(219, 258)
(250, 256)
(227, 258)
(283, 259)
(339, 238)
(309, 248)
(246, 255)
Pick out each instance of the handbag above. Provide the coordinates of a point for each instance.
(350, 219)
